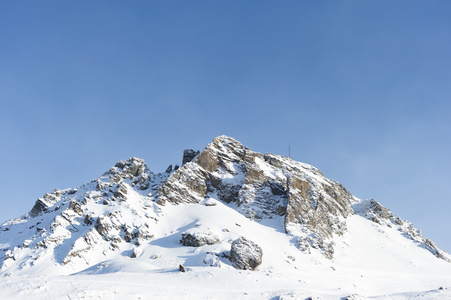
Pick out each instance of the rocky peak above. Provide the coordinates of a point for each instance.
(132, 167)
(264, 186)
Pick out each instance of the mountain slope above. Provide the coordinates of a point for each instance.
(130, 223)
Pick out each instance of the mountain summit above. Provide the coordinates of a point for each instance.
(226, 208)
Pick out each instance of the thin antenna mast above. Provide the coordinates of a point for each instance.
(289, 152)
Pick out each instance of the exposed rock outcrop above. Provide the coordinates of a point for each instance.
(188, 155)
(43, 204)
(105, 213)
(198, 239)
(38, 208)
(134, 169)
(264, 186)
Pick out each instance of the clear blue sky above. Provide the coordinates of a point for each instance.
(359, 89)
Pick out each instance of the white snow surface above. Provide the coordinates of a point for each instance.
(371, 261)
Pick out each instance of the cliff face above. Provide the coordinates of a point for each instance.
(264, 186)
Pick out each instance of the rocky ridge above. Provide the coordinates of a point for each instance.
(74, 222)
(374, 211)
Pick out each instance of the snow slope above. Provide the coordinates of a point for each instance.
(385, 264)
(129, 248)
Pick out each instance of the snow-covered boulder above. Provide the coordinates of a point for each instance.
(198, 239)
(212, 260)
(245, 254)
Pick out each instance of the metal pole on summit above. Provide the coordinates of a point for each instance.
(289, 154)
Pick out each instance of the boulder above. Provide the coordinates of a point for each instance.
(198, 239)
(210, 202)
(245, 254)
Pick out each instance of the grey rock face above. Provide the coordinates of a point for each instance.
(198, 239)
(43, 204)
(103, 225)
(76, 207)
(38, 208)
(264, 186)
(134, 169)
(245, 254)
(188, 155)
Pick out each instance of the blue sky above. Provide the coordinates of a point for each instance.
(359, 89)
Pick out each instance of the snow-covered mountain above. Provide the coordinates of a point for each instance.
(229, 222)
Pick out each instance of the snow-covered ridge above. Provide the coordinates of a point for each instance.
(374, 211)
(85, 223)
(226, 207)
